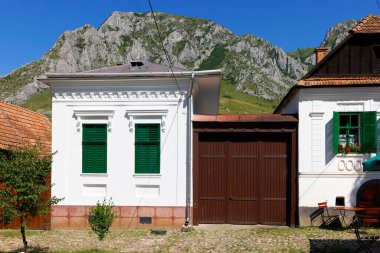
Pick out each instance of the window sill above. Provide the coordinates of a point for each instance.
(350, 155)
(94, 175)
(147, 175)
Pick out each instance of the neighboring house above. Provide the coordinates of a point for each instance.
(338, 107)
(20, 127)
(124, 132)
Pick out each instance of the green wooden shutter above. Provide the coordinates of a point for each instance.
(336, 129)
(94, 148)
(147, 148)
(369, 132)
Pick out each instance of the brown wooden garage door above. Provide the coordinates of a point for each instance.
(243, 178)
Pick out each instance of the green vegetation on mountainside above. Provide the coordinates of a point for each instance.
(20, 77)
(303, 53)
(236, 102)
(39, 102)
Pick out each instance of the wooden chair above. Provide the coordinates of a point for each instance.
(364, 240)
(327, 218)
(314, 215)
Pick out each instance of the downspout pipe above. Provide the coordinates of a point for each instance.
(188, 152)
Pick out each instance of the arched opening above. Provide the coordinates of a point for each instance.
(368, 194)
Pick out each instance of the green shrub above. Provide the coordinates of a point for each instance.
(101, 218)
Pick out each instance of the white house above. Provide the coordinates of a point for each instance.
(124, 132)
(338, 108)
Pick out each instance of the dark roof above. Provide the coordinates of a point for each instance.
(128, 68)
(20, 127)
(244, 118)
(369, 24)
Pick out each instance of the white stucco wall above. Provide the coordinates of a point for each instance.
(322, 174)
(120, 105)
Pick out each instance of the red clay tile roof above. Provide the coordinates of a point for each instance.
(341, 81)
(244, 118)
(369, 24)
(20, 127)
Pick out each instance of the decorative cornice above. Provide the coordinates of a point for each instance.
(130, 95)
(92, 114)
(133, 114)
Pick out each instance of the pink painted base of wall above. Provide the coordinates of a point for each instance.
(76, 217)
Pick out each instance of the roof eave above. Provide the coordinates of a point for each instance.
(51, 78)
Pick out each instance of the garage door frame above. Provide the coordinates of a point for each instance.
(286, 125)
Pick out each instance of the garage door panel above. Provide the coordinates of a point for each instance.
(273, 182)
(210, 210)
(212, 187)
(243, 179)
(273, 211)
(242, 192)
(213, 180)
(242, 211)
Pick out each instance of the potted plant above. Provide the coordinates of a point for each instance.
(349, 148)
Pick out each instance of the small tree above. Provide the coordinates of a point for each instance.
(24, 185)
(101, 218)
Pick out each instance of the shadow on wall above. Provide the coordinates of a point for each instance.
(329, 152)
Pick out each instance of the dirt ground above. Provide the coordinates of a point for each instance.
(210, 238)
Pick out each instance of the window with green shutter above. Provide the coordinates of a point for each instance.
(147, 148)
(355, 132)
(94, 148)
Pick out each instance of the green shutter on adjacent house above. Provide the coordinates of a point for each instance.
(94, 148)
(335, 132)
(147, 148)
(369, 132)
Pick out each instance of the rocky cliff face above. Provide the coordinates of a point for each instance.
(254, 65)
(337, 33)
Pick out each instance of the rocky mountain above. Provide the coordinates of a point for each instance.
(252, 64)
(332, 38)
(256, 73)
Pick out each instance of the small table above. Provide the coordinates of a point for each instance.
(343, 209)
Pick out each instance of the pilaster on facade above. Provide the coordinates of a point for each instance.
(317, 134)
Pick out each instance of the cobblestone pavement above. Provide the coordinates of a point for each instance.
(200, 239)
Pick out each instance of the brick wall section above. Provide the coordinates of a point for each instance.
(75, 217)
(320, 53)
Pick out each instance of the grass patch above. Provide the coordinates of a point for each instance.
(215, 59)
(39, 102)
(16, 233)
(128, 233)
(236, 102)
(302, 53)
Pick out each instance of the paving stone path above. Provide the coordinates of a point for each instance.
(200, 239)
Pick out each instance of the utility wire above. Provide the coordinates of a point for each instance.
(378, 5)
(163, 47)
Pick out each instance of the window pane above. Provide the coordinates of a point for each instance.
(355, 120)
(344, 119)
(342, 136)
(354, 136)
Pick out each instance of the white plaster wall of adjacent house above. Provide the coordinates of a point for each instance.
(120, 105)
(324, 175)
(292, 106)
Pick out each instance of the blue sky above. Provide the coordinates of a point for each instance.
(30, 28)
